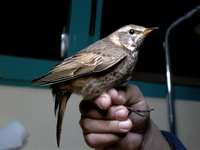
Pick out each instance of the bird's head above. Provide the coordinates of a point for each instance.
(130, 36)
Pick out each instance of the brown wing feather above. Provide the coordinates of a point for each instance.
(83, 63)
(61, 104)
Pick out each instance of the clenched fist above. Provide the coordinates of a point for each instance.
(108, 122)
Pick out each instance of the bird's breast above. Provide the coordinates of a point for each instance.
(96, 85)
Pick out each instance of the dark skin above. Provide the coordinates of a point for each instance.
(108, 124)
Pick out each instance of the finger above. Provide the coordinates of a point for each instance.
(113, 93)
(104, 126)
(100, 140)
(135, 101)
(117, 97)
(140, 119)
(114, 113)
(118, 112)
(103, 101)
(127, 95)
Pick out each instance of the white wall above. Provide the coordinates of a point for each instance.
(187, 119)
(34, 108)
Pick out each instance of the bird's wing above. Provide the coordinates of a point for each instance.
(81, 64)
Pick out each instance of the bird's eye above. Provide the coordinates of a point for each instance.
(131, 31)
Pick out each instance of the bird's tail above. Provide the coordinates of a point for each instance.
(61, 99)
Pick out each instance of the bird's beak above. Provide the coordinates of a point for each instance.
(149, 30)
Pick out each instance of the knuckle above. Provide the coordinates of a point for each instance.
(103, 102)
(121, 98)
(113, 93)
(133, 87)
(116, 111)
(135, 90)
(90, 140)
(116, 108)
(84, 124)
(121, 107)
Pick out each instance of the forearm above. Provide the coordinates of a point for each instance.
(153, 139)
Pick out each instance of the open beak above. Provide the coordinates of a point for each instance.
(149, 30)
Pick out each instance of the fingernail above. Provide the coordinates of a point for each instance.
(125, 126)
(121, 113)
(103, 102)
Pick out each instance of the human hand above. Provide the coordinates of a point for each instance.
(112, 121)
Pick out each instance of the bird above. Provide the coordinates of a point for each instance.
(105, 64)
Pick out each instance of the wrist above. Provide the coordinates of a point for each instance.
(153, 139)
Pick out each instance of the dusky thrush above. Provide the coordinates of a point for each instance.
(103, 65)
